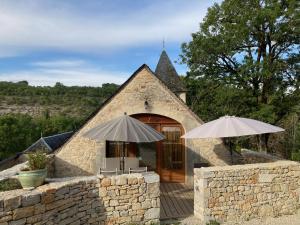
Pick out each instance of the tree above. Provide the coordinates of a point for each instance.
(16, 133)
(23, 82)
(251, 46)
(56, 124)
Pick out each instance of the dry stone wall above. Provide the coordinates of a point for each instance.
(123, 199)
(243, 192)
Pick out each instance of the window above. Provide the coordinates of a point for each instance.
(172, 151)
(146, 152)
(115, 149)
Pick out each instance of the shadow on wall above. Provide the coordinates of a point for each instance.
(63, 168)
(192, 159)
(223, 153)
(251, 157)
(12, 161)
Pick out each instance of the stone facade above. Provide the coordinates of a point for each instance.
(243, 192)
(121, 199)
(81, 156)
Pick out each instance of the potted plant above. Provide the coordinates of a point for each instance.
(36, 171)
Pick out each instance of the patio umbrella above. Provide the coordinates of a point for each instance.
(124, 129)
(231, 126)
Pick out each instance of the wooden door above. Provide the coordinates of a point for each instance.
(170, 153)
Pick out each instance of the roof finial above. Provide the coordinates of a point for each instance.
(163, 43)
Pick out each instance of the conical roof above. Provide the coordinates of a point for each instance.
(166, 72)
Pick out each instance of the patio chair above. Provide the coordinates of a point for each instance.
(111, 166)
(132, 165)
(108, 172)
(138, 170)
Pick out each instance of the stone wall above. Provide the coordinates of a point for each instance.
(243, 192)
(250, 157)
(81, 156)
(120, 199)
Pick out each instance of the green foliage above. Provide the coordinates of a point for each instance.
(213, 222)
(211, 100)
(37, 160)
(296, 156)
(64, 109)
(9, 184)
(245, 62)
(139, 223)
(73, 101)
(16, 132)
(56, 124)
(19, 131)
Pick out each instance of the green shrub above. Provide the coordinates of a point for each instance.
(37, 160)
(296, 156)
(213, 222)
(9, 184)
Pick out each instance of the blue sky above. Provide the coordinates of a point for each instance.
(90, 42)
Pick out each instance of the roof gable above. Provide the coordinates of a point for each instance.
(55, 141)
(51, 143)
(144, 66)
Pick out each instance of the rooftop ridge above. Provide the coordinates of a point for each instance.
(54, 135)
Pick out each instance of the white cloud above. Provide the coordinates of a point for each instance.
(39, 25)
(60, 63)
(68, 72)
(66, 26)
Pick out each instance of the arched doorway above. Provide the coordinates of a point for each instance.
(166, 157)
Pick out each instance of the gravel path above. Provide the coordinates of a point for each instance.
(283, 220)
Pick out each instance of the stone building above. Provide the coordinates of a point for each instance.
(157, 99)
(46, 144)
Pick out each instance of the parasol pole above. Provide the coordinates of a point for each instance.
(228, 140)
(123, 160)
(231, 151)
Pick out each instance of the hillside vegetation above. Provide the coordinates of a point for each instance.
(70, 101)
(27, 112)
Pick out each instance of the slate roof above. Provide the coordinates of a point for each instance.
(166, 72)
(50, 143)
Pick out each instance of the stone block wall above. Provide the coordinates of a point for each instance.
(243, 192)
(120, 199)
